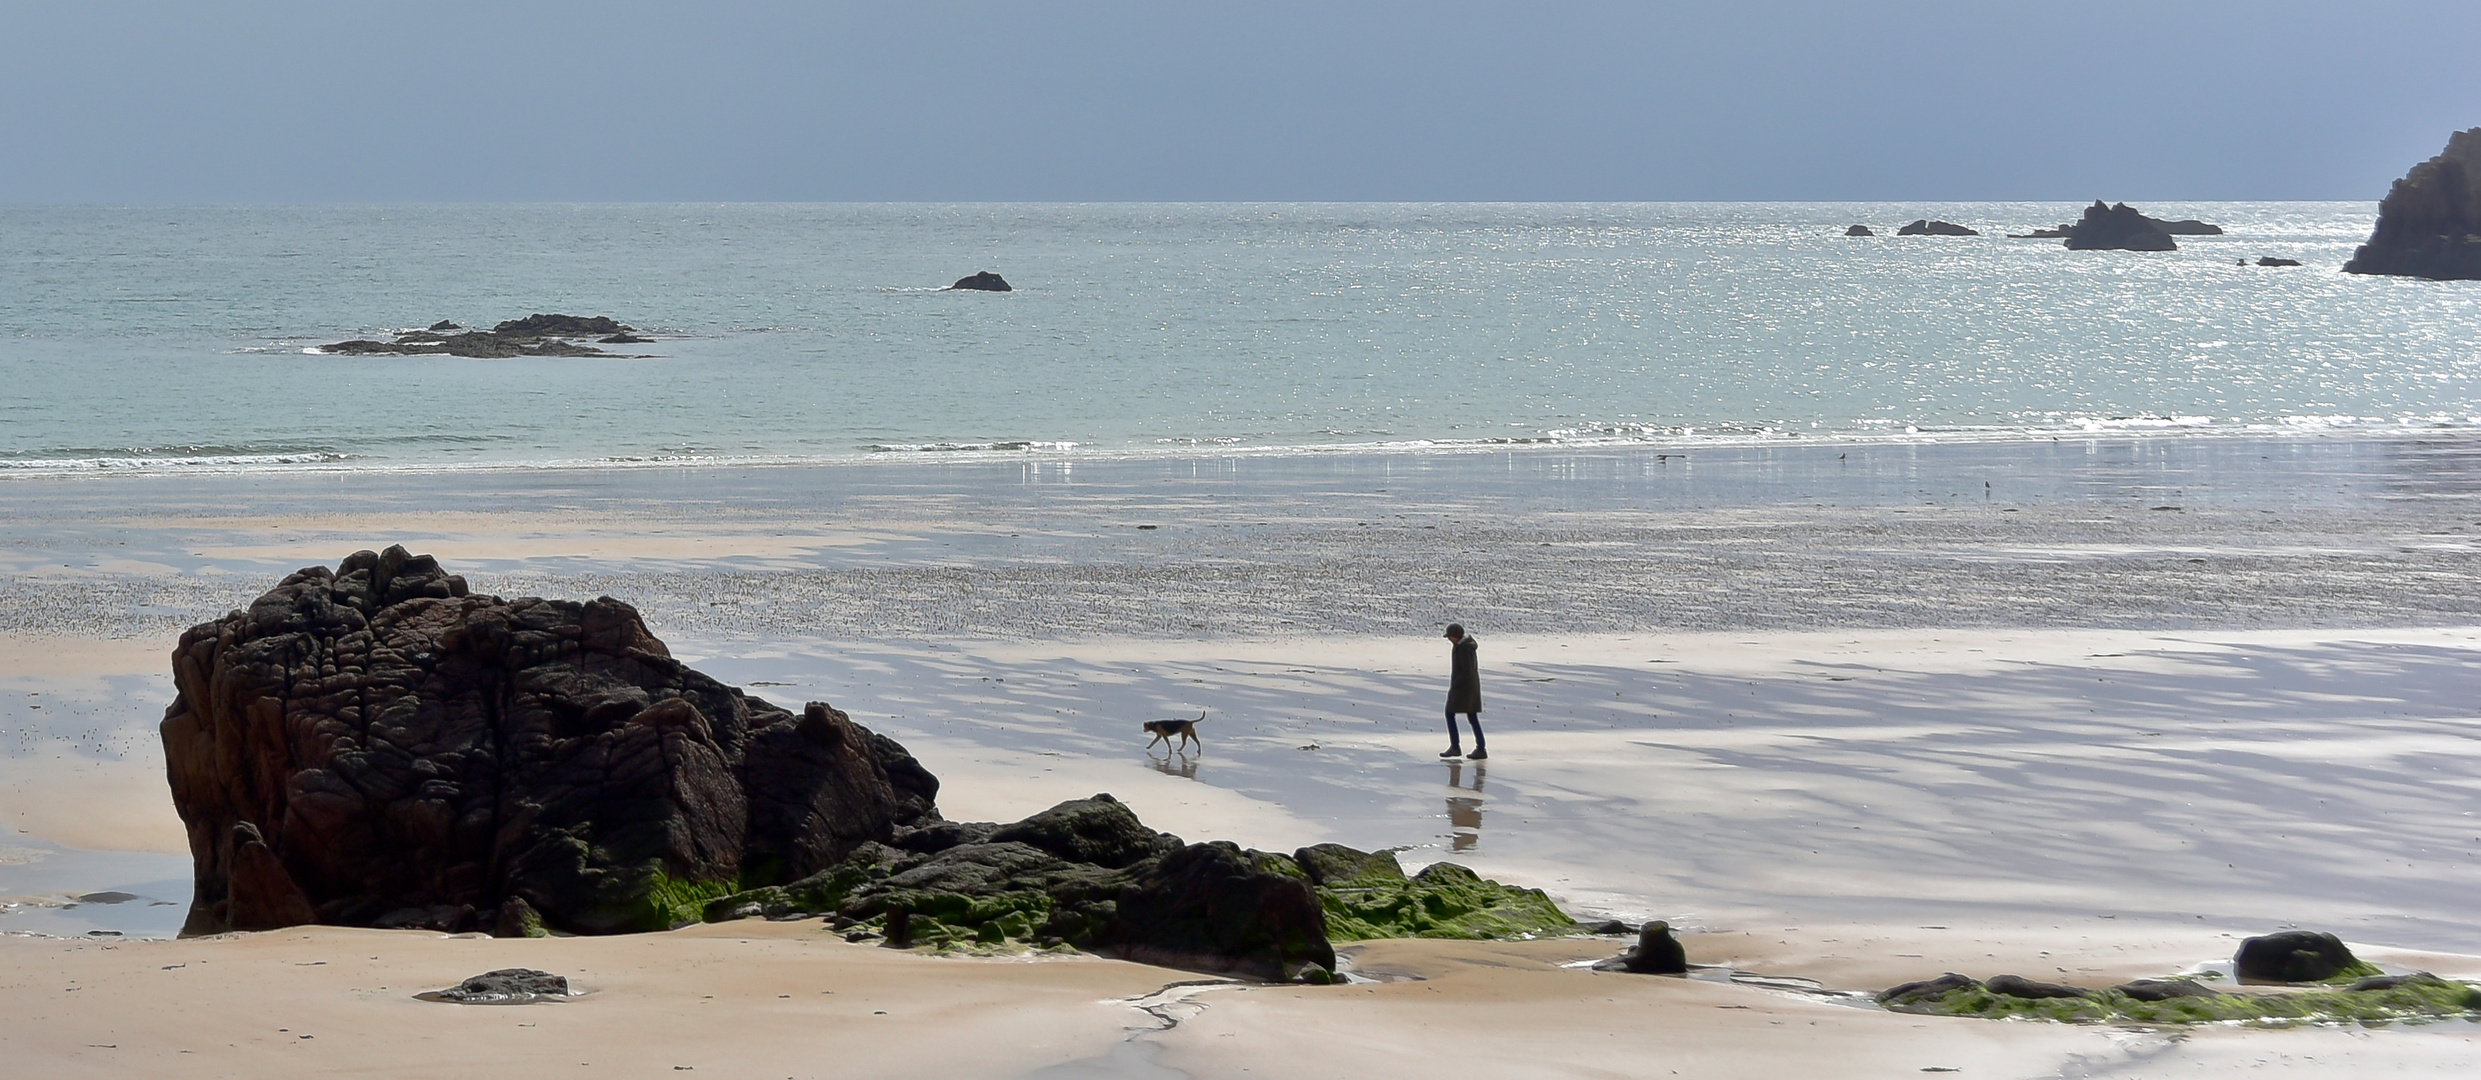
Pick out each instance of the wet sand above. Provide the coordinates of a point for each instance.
(1857, 737)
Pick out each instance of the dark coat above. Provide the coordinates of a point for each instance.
(1464, 677)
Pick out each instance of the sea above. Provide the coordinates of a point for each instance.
(167, 339)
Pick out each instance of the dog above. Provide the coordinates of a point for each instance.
(1164, 731)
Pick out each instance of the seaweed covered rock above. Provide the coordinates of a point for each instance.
(2179, 1001)
(376, 746)
(2117, 228)
(1084, 874)
(1087, 874)
(2297, 956)
(2429, 224)
(1367, 895)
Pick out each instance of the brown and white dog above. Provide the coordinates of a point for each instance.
(1164, 731)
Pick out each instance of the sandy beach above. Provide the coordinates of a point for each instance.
(1982, 711)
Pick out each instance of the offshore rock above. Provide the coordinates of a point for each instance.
(1926, 227)
(2269, 260)
(2186, 227)
(534, 335)
(2117, 228)
(984, 281)
(1859, 230)
(375, 746)
(2429, 224)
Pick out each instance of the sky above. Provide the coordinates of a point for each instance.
(152, 101)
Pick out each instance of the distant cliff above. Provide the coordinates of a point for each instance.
(2430, 223)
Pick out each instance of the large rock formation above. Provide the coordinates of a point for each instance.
(982, 281)
(2429, 224)
(2117, 228)
(375, 746)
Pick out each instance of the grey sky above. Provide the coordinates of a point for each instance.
(340, 100)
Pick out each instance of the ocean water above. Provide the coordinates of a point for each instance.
(176, 339)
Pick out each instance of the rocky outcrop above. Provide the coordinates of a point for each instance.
(1086, 874)
(2429, 224)
(985, 281)
(2117, 228)
(374, 745)
(534, 335)
(2186, 227)
(2269, 260)
(1926, 227)
(2042, 234)
(1859, 230)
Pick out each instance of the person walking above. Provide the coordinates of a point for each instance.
(1464, 692)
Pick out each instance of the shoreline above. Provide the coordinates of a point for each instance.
(1041, 452)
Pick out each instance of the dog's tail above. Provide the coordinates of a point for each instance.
(1201, 717)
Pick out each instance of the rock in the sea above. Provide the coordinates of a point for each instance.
(2042, 234)
(2186, 227)
(539, 325)
(2269, 260)
(2117, 228)
(534, 335)
(376, 746)
(623, 339)
(984, 281)
(1657, 953)
(1859, 230)
(2429, 224)
(1926, 227)
(507, 986)
(2294, 956)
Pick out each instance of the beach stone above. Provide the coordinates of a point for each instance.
(1337, 866)
(2019, 986)
(1611, 927)
(1922, 989)
(984, 281)
(2164, 989)
(507, 986)
(2429, 224)
(375, 745)
(1927, 227)
(2117, 228)
(2292, 956)
(1656, 953)
(1859, 230)
(2389, 982)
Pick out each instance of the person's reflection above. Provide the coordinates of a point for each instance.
(1464, 813)
(1180, 765)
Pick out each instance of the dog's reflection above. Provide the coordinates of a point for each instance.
(1464, 812)
(1174, 764)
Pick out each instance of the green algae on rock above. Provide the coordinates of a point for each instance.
(2410, 998)
(1086, 874)
(1367, 895)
